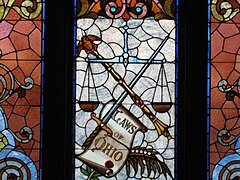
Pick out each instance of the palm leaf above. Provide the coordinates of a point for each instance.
(132, 164)
(128, 167)
(137, 157)
(141, 165)
(148, 167)
(136, 165)
(153, 167)
(165, 169)
(158, 168)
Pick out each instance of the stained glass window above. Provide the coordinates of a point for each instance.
(125, 89)
(223, 94)
(21, 77)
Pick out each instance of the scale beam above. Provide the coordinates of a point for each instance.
(126, 58)
(160, 126)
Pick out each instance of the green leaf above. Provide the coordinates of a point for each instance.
(161, 15)
(154, 153)
(88, 169)
(95, 178)
(96, 175)
(84, 171)
(167, 7)
(84, 7)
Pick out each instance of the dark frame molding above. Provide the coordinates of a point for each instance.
(192, 125)
(57, 144)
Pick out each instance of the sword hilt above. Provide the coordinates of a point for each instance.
(99, 122)
(100, 126)
(89, 140)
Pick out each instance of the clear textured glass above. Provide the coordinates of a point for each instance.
(125, 90)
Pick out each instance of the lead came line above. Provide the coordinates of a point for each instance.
(160, 126)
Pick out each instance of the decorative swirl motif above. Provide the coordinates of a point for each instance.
(26, 133)
(229, 166)
(226, 7)
(8, 91)
(225, 87)
(224, 138)
(113, 10)
(228, 171)
(126, 9)
(14, 168)
(139, 11)
(28, 9)
(14, 164)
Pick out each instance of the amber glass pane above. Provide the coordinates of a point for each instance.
(21, 70)
(224, 90)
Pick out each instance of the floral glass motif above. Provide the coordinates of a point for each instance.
(21, 69)
(224, 92)
(125, 81)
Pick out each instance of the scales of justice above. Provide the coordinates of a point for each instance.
(107, 148)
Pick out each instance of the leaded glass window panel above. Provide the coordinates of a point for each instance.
(224, 73)
(125, 89)
(21, 75)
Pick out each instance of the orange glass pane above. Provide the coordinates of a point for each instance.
(21, 72)
(224, 94)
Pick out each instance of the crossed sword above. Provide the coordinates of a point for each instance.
(87, 44)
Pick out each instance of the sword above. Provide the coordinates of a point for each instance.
(161, 127)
